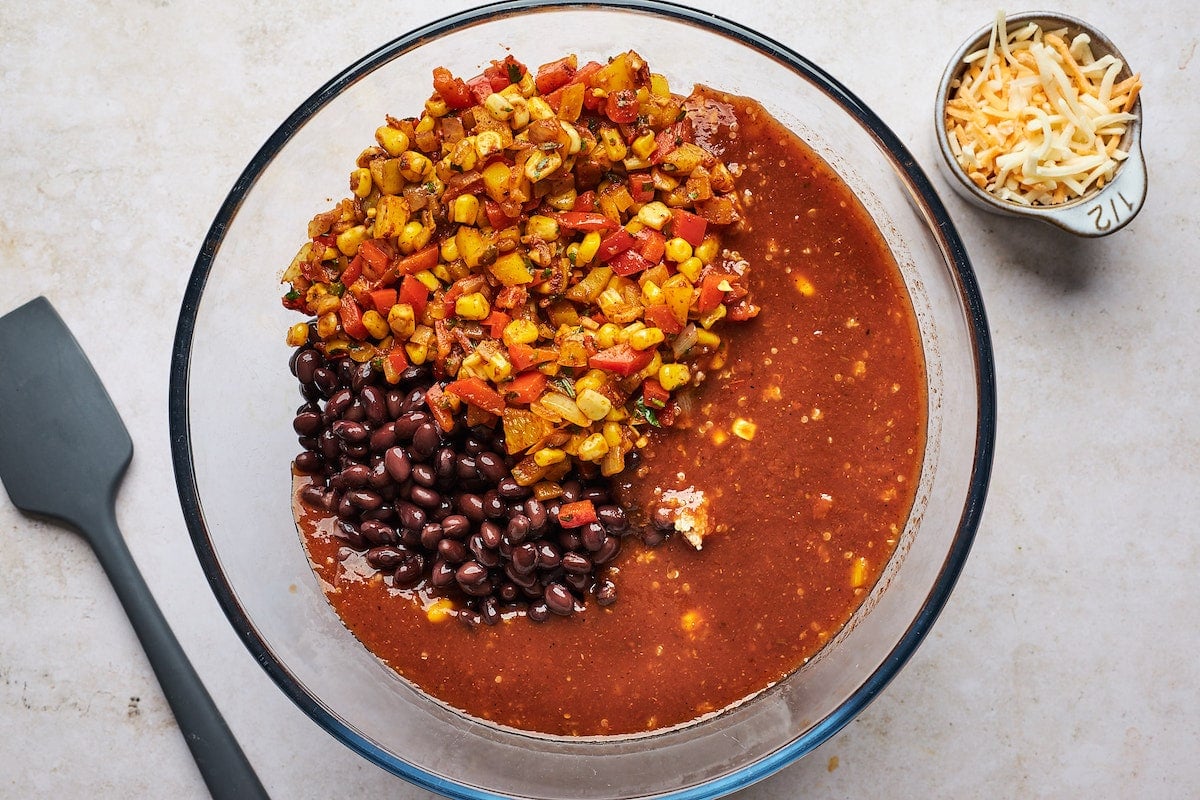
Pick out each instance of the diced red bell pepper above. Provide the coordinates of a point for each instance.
(382, 299)
(481, 87)
(419, 261)
(667, 140)
(628, 262)
(475, 392)
(661, 316)
(622, 359)
(525, 356)
(621, 106)
(453, 90)
(585, 221)
(525, 387)
(710, 295)
(397, 358)
(651, 244)
(585, 201)
(654, 395)
(352, 272)
(377, 253)
(327, 239)
(496, 322)
(501, 73)
(582, 75)
(555, 74)
(351, 317)
(495, 214)
(577, 514)
(641, 187)
(618, 241)
(413, 292)
(441, 410)
(688, 226)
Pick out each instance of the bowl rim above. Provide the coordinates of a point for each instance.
(940, 224)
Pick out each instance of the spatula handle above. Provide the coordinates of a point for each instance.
(224, 766)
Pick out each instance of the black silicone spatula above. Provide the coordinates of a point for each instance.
(63, 452)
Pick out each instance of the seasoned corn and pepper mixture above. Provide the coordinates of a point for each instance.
(550, 242)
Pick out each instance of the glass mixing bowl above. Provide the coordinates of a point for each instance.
(232, 396)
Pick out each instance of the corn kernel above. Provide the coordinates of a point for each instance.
(858, 572)
(520, 331)
(448, 250)
(708, 339)
(413, 236)
(654, 215)
(707, 249)
(428, 279)
(644, 145)
(327, 325)
(498, 107)
(540, 109)
(690, 268)
(549, 455)
(645, 339)
(653, 367)
(348, 241)
(417, 353)
(613, 144)
(425, 124)
(401, 320)
(588, 248)
(436, 107)
(593, 379)
(488, 143)
(472, 306)
(804, 286)
(360, 182)
(326, 303)
(593, 404)
(464, 209)
(297, 335)
(678, 250)
(542, 164)
(543, 227)
(672, 376)
(414, 166)
(375, 324)
(612, 434)
(593, 448)
(607, 335)
(393, 140)
(574, 140)
(744, 429)
(652, 295)
(440, 610)
(709, 318)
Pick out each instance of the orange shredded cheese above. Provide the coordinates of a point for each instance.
(1036, 120)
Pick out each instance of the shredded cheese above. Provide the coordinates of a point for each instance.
(1036, 120)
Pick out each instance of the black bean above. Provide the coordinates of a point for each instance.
(539, 611)
(411, 516)
(425, 497)
(309, 462)
(364, 498)
(315, 495)
(309, 442)
(431, 534)
(518, 528)
(350, 431)
(444, 509)
(653, 537)
(606, 593)
(425, 439)
(356, 475)
(423, 475)
(471, 573)
(385, 513)
(508, 592)
(355, 412)
(358, 452)
(414, 401)
(571, 491)
(452, 551)
(465, 467)
(470, 505)
(377, 533)
(383, 437)
(494, 506)
(579, 582)
(663, 518)
(339, 401)
(444, 462)
(570, 539)
(346, 531)
(379, 477)
(474, 445)
(385, 556)
(479, 590)
(491, 466)
(524, 558)
(346, 509)
(576, 563)
(597, 494)
(536, 511)
(306, 362)
(490, 533)
(559, 600)
(307, 423)
(441, 575)
(394, 399)
(398, 464)
(374, 404)
(612, 517)
(607, 551)
(407, 424)
(331, 448)
(489, 610)
(548, 556)
(592, 536)
(509, 489)
(326, 381)
(488, 556)
(456, 526)
(408, 571)
(414, 373)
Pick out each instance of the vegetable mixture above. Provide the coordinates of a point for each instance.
(550, 241)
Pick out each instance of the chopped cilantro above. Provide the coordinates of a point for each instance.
(337, 289)
(292, 295)
(564, 385)
(514, 73)
(640, 409)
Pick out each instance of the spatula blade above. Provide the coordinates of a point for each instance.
(63, 447)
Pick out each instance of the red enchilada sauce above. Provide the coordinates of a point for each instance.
(802, 451)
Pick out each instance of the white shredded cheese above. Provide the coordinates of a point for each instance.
(1036, 120)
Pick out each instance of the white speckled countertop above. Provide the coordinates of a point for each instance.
(1067, 662)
